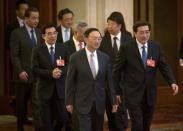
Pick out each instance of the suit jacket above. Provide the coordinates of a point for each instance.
(10, 27)
(60, 37)
(106, 45)
(83, 88)
(42, 68)
(21, 51)
(138, 79)
(70, 46)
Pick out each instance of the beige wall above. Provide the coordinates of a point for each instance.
(79, 9)
(95, 12)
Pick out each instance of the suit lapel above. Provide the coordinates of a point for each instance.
(137, 53)
(25, 31)
(38, 35)
(85, 61)
(72, 46)
(47, 54)
(60, 34)
(99, 57)
(150, 51)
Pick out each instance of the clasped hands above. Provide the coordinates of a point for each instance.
(56, 73)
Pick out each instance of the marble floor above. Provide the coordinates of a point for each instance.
(166, 118)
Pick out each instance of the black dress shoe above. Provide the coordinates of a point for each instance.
(12, 103)
(20, 129)
(28, 122)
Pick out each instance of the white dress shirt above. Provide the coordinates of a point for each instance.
(118, 40)
(63, 33)
(48, 46)
(140, 45)
(88, 53)
(77, 44)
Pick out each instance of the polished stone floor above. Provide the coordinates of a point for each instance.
(167, 118)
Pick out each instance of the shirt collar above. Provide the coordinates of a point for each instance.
(118, 36)
(20, 21)
(28, 28)
(76, 42)
(63, 28)
(89, 53)
(140, 45)
(48, 45)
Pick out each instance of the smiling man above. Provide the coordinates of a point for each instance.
(65, 18)
(22, 41)
(49, 61)
(88, 73)
(139, 61)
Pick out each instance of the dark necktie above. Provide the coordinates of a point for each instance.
(92, 65)
(52, 54)
(144, 55)
(115, 47)
(33, 38)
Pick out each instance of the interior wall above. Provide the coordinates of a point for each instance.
(165, 31)
(79, 9)
(95, 12)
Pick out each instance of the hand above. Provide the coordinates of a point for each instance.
(175, 89)
(23, 76)
(114, 108)
(56, 73)
(181, 62)
(118, 99)
(69, 108)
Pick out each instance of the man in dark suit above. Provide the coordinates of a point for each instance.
(73, 45)
(86, 83)
(21, 7)
(77, 41)
(116, 33)
(21, 50)
(49, 61)
(139, 61)
(65, 18)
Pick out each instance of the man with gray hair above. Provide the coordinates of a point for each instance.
(73, 45)
(77, 41)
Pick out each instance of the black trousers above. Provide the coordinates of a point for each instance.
(93, 121)
(36, 108)
(23, 94)
(117, 121)
(54, 115)
(141, 115)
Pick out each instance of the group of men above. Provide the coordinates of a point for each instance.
(77, 74)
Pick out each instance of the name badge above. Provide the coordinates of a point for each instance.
(151, 62)
(60, 62)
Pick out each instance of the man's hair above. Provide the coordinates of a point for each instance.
(78, 25)
(119, 19)
(89, 30)
(19, 2)
(30, 10)
(141, 23)
(46, 26)
(63, 12)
